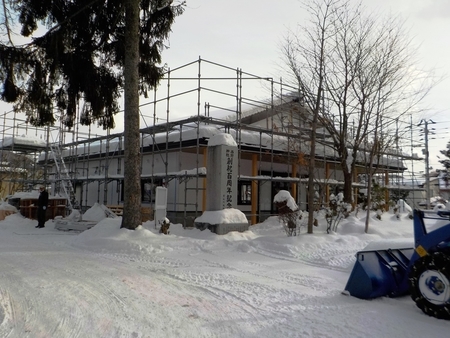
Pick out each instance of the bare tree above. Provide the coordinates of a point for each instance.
(306, 57)
(357, 70)
(6, 19)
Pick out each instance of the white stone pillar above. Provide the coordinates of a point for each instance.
(220, 215)
(221, 169)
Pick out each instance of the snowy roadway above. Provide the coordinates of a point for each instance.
(108, 282)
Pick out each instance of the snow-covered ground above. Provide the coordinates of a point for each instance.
(111, 282)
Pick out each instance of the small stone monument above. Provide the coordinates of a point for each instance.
(220, 215)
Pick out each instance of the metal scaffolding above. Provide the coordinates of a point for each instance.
(190, 97)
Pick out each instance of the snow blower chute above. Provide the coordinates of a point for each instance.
(422, 270)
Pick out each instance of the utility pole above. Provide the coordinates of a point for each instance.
(427, 161)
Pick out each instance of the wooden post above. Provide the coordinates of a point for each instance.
(205, 153)
(386, 192)
(355, 190)
(254, 196)
(294, 184)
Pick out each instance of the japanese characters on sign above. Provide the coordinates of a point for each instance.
(229, 154)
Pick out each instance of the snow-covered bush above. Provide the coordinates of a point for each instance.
(165, 225)
(378, 213)
(396, 210)
(336, 211)
(288, 211)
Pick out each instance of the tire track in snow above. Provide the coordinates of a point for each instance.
(249, 293)
(220, 290)
(7, 314)
(247, 298)
(266, 272)
(17, 303)
(93, 305)
(83, 306)
(167, 263)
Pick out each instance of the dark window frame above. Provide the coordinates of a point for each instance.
(244, 193)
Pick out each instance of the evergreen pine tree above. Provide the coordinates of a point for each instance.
(84, 54)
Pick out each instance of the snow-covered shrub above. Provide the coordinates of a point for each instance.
(288, 211)
(378, 213)
(396, 210)
(402, 207)
(336, 211)
(165, 225)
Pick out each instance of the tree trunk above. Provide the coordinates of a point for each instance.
(311, 168)
(369, 202)
(311, 206)
(132, 168)
(348, 189)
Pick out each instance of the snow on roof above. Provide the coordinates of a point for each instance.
(31, 195)
(222, 139)
(23, 140)
(181, 173)
(195, 130)
(252, 109)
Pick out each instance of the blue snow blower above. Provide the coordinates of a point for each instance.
(423, 271)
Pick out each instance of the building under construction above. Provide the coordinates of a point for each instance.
(266, 118)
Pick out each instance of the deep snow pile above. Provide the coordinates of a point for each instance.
(112, 282)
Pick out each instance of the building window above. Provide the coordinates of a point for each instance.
(244, 192)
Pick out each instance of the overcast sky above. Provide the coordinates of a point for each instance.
(247, 34)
